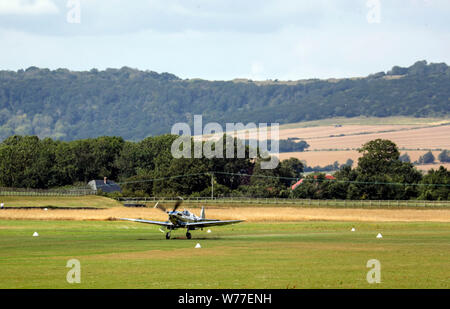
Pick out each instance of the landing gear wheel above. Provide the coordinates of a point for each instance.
(188, 235)
(168, 235)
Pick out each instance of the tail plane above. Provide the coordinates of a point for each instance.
(202, 213)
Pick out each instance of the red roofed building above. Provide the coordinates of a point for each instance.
(294, 186)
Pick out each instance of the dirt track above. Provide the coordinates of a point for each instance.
(247, 213)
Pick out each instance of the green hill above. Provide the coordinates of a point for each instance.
(125, 102)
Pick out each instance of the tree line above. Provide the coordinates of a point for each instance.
(134, 104)
(379, 175)
(428, 158)
(147, 168)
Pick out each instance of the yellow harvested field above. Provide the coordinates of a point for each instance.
(251, 214)
(323, 138)
(345, 135)
(352, 133)
(361, 120)
(427, 138)
(326, 131)
(323, 158)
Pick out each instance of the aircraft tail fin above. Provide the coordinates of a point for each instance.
(202, 213)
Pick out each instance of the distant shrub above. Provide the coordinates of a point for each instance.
(444, 156)
(405, 158)
(427, 158)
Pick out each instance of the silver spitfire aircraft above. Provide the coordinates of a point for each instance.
(183, 219)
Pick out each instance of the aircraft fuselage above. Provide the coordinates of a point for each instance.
(179, 219)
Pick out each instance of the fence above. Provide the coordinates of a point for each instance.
(237, 200)
(43, 192)
(299, 202)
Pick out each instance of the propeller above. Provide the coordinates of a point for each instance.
(178, 203)
(160, 207)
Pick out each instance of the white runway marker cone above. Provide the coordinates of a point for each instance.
(379, 235)
(35, 234)
(45, 209)
(353, 229)
(198, 246)
(209, 231)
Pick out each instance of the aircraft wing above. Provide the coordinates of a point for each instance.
(148, 221)
(212, 223)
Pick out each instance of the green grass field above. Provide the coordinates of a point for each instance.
(397, 120)
(248, 255)
(307, 203)
(101, 202)
(87, 201)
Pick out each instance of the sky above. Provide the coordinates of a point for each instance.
(225, 39)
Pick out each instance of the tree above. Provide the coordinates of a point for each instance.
(290, 145)
(427, 158)
(349, 162)
(106, 150)
(381, 175)
(292, 167)
(444, 156)
(435, 185)
(196, 181)
(317, 186)
(129, 159)
(68, 105)
(266, 182)
(139, 185)
(344, 178)
(26, 161)
(377, 157)
(148, 168)
(226, 166)
(405, 158)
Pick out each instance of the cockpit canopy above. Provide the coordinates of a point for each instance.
(186, 213)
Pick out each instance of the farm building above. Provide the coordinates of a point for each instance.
(105, 185)
(329, 177)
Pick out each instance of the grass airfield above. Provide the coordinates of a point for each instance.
(301, 254)
(89, 202)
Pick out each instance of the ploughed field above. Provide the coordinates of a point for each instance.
(338, 139)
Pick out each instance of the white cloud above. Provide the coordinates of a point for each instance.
(257, 69)
(27, 7)
(282, 39)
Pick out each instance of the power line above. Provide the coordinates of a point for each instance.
(162, 178)
(339, 181)
(280, 177)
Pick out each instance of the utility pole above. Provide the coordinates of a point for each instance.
(212, 186)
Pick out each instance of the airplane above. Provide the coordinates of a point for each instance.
(183, 219)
